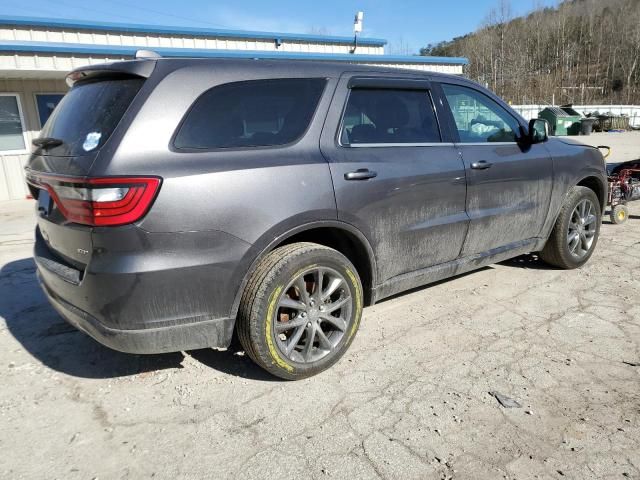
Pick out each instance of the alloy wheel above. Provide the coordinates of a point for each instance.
(313, 315)
(582, 229)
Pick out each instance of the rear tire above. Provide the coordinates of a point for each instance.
(619, 214)
(282, 307)
(575, 233)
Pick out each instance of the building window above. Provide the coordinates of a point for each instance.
(46, 102)
(12, 138)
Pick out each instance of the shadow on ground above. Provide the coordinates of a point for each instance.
(232, 361)
(59, 346)
(530, 261)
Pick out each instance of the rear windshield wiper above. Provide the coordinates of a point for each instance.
(47, 142)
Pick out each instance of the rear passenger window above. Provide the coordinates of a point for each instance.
(478, 118)
(389, 116)
(255, 113)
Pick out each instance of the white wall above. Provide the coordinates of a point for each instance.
(25, 65)
(452, 68)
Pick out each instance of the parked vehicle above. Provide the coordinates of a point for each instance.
(180, 200)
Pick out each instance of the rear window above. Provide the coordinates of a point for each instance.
(256, 113)
(88, 114)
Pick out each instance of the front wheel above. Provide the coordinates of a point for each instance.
(300, 310)
(575, 233)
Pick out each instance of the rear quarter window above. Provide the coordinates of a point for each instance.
(256, 113)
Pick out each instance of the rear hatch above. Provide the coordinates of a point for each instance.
(77, 132)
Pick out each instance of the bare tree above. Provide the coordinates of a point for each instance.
(585, 51)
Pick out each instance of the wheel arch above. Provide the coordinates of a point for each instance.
(590, 178)
(599, 188)
(341, 236)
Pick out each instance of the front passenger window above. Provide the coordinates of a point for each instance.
(478, 118)
(387, 116)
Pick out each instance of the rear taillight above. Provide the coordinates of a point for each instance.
(105, 201)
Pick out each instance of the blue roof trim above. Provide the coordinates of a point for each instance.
(127, 51)
(174, 30)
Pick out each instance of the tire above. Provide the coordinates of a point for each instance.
(278, 280)
(619, 214)
(557, 251)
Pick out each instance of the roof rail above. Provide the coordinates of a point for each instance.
(147, 54)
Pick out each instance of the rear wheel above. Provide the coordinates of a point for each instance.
(575, 233)
(300, 310)
(619, 214)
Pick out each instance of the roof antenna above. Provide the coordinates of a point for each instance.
(357, 28)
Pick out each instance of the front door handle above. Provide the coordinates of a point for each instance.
(360, 174)
(481, 165)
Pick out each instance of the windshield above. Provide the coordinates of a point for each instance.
(86, 116)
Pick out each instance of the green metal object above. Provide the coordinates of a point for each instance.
(563, 121)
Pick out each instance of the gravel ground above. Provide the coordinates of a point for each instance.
(409, 400)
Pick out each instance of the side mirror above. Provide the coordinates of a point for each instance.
(538, 130)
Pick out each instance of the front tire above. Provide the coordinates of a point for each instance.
(300, 310)
(575, 233)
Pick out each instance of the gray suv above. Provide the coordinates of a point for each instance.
(182, 201)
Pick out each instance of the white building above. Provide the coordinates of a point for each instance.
(37, 53)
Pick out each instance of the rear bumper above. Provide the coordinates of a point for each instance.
(200, 333)
(148, 293)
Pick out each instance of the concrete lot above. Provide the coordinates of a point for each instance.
(409, 400)
(624, 146)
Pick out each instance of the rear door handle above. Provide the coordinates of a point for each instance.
(481, 165)
(360, 174)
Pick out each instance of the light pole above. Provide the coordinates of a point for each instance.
(357, 28)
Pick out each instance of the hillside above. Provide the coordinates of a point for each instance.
(583, 52)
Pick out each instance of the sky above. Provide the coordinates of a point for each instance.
(406, 24)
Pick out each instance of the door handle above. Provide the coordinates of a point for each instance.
(361, 174)
(481, 165)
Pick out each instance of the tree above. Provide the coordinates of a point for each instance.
(581, 51)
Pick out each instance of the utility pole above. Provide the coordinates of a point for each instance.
(357, 29)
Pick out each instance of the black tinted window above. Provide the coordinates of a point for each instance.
(251, 114)
(87, 115)
(389, 116)
(478, 118)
